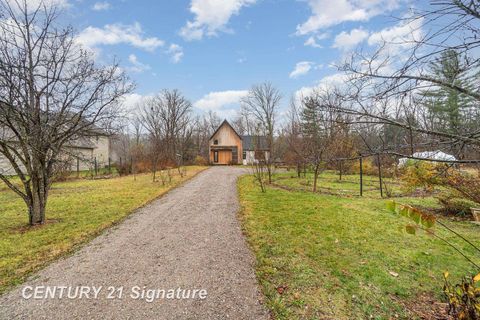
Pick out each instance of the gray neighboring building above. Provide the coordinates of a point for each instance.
(86, 150)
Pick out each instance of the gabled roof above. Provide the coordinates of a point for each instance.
(225, 122)
(252, 143)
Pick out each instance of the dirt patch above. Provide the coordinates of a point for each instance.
(425, 306)
(28, 228)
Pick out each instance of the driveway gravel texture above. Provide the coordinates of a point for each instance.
(189, 239)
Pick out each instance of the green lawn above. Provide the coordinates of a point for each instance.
(338, 255)
(77, 211)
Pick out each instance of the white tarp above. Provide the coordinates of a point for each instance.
(432, 155)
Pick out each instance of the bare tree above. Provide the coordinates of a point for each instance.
(166, 118)
(295, 153)
(51, 93)
(389, 88)
(262, 103)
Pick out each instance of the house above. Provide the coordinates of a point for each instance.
(227, 147)
(81, 152)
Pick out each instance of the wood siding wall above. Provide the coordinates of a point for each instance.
(227, 141)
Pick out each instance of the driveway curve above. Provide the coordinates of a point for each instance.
(187, 240)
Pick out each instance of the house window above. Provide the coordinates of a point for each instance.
(244, 155)
(215, 156)
(215, 142)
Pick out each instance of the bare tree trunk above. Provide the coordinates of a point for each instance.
(315, 177)
(269, 170)
(341, 170)
(38, 201)
(154, 170)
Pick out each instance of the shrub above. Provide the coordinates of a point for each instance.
(464, 183)
(455, 204)
(369, 167)
(200, 161)
(124, 169)
(422, 174)
(463, 298)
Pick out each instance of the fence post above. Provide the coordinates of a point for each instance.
(380, 174)
(96, 167)
(78, 167)
(109, 165)
(361, 176)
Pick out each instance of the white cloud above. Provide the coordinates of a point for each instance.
(211, 16)
(33, 4)
(220, 100)
(326, 83)
(131, 102)
(137, 65)
(348, 40)
(402, 34)
(327, 13)
(113, 34)
(312, 41)
(176, 51)
(101, 6)
(301, 69)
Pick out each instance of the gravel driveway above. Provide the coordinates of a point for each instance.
(189, 239)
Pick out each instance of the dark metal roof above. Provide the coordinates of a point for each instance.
(252, 143)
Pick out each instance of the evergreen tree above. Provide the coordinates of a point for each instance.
(313, 136)
(450, 110)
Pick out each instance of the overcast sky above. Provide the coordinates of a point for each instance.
(214, 50)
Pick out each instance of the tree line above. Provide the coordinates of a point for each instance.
(391, 102)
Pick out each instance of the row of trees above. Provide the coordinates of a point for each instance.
(164, 132)
(416, 93)
(411, 94)
(52, 92)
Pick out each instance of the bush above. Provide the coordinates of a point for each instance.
(463, 298)
(200, 161)
(464, 183)
(454, 204)
(420, 174)
(124, 169)
(369, 167)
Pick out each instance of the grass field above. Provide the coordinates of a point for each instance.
(342, 256)
(77, 211)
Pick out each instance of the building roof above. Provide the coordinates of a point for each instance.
(225, 122)
(252, 143)
(249, 143)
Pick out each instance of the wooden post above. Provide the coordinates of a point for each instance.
(120, 162)
(380, 174)
(78, 167)
(96, 166)
(361, 176)
(109, 165)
